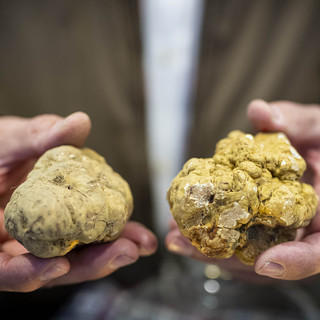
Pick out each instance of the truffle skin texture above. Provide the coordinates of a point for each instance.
(244, 199)
(72, 196)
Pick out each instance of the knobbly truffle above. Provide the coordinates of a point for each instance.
(72, 196)
(244, 199)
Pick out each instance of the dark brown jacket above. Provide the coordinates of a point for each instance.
(63, 56)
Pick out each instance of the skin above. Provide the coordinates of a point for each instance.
(293, 260)
(22, 142)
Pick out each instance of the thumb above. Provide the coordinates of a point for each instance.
(72, 130)
(293, 260)
(22, 138)
(301, 123)
(25, 273)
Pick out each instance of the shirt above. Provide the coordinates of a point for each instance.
(170, 41)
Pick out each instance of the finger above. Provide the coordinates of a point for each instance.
(177, 243)
(72, 130)
(293, 260)
(96, 261)
(3, 232)
(300, 122)
(25, 273)
(13, 248)
(172, 224)
(145, 240)
(313, 159)
(26, 138)
(12, 176)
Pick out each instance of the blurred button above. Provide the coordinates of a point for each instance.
(212, 286)
(212, 271)
(210, 302)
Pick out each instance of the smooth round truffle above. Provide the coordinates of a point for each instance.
(72, 196)
(245, 199)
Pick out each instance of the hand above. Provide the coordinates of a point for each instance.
(297, 259)
(22, 141)
(177, 243)
(292, 260)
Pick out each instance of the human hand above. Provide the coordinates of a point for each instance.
(22, 141)
(292, 260)
(297, 259)
(179, 244)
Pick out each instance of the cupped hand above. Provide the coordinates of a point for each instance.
(178, 244)
(22, 141)
(293, 260)
(297, 259)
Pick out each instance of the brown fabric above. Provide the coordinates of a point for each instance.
(63, 56)
(267, 49)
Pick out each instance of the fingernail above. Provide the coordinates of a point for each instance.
(144, 251)
(121, 261)
(52, 273)
(179, 246)
(62, 123)
(276, 115)
(148, 248)
(271, 269)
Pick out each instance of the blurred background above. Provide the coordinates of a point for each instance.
(162, 81)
